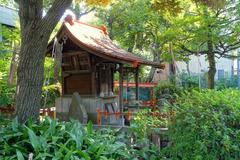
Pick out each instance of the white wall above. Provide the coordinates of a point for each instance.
(199, 64)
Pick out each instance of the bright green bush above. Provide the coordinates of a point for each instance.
(66, 140)
(145, 122)
(206, 125)
(50, 93)
(6, 92)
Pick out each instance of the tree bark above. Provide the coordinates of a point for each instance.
(211, 71)
(14, 64)
(35, 33)
(172, 65)
(212, 66)
(156, 51)
(57, 62)
(188, 69)
(211, 58)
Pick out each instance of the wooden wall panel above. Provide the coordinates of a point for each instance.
(81, 83)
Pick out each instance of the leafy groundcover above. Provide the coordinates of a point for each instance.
(51, 139)
(206, 126)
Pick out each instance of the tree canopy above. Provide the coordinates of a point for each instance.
(209, 28)
(203, 30)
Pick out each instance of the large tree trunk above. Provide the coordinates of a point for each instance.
(172, 65)
(211, 59)
(211, 71)
(30, 78)
(212, 66)
(35, 32)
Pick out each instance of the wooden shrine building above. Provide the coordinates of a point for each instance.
(89, 59)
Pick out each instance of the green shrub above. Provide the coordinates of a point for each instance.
(206, 125)
(144, 123)
(6, 92)
(51, 139)
(50, 93)
(167, 92)
(190, 82)
(229, 82)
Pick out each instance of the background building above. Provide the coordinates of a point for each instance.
(8, 18)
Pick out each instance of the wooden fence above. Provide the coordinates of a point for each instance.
(50, 112)
(9, 112)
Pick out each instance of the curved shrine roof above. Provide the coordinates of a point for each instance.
(96, 41)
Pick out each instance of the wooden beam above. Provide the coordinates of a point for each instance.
(76, 62)
(109, 80)
(63, 86)
(94, 89)
(121, 89)
(64, 74)
(69, 54)
(66, 64)
(137, 82)
(76, 71)
(112, 80)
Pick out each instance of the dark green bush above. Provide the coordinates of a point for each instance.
(66, 140)
(167, 92)
(206, 125)
(190, 82)
(229, 82)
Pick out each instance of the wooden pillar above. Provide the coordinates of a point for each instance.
(137, 82)
(93, 86)
(109, 80)
(63, 85)
(121, 89)
(112, 79)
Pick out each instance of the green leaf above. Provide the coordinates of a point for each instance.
(19, 155)
(14, 124)
(34, 140)
(84, 155)
(90, 127)
(68, 155)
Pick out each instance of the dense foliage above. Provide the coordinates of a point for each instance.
(7, 92)
(66, 140)
(50, 93)
(146, 122)
(166, 92)
(206, 125)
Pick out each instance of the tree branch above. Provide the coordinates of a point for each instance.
(191, 52)
(225, 49)
(86, 12)
(55, 13)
